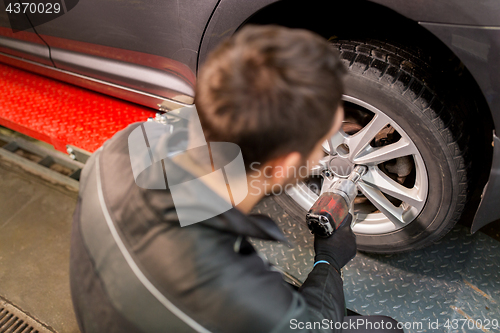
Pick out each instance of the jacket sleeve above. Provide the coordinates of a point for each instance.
(318, 305)
(242, 293)
(324, 294)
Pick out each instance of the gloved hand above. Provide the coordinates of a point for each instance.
(339, 248)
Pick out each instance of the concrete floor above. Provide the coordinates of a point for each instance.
(35, 225)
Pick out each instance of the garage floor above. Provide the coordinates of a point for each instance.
(457, 278)
(456, 281)
(35, 225)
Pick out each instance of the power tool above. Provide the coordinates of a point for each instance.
(333, 205)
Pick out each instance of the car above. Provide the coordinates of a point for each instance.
(422, 94)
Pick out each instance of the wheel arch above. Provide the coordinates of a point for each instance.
(348, 20)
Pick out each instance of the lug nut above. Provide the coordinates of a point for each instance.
(327, 173)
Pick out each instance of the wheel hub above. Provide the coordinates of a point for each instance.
(340, 166)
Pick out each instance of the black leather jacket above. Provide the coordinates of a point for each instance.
(134, 269)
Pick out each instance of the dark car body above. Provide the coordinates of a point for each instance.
(148, 52)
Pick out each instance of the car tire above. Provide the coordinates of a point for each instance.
(402, 84)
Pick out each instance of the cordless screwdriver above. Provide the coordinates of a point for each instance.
(332, 206)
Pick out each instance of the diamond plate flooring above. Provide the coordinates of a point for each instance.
(456, 281)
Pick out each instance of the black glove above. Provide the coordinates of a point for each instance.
(339, 248)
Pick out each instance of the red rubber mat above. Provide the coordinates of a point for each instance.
(61, 114)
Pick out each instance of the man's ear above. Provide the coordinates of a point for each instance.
(282, 168)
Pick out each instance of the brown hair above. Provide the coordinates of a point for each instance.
(271, 90)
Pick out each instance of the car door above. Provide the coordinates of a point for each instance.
(147, 46)
(19, 40)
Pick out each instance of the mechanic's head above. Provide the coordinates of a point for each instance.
(273, 91)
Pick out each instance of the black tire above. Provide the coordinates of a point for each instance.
(405, 88)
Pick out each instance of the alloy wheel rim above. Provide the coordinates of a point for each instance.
(344, 151)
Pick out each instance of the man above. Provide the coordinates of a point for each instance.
(276, 94)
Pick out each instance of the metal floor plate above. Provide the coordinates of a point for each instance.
(456, 281)
(60, 113)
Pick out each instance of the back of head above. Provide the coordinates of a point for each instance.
(271, 90)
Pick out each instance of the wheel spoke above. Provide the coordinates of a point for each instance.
(393, 213)
(332, 143)
(383, 183)
(374, 156)
(360, 140)
(322, 165)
